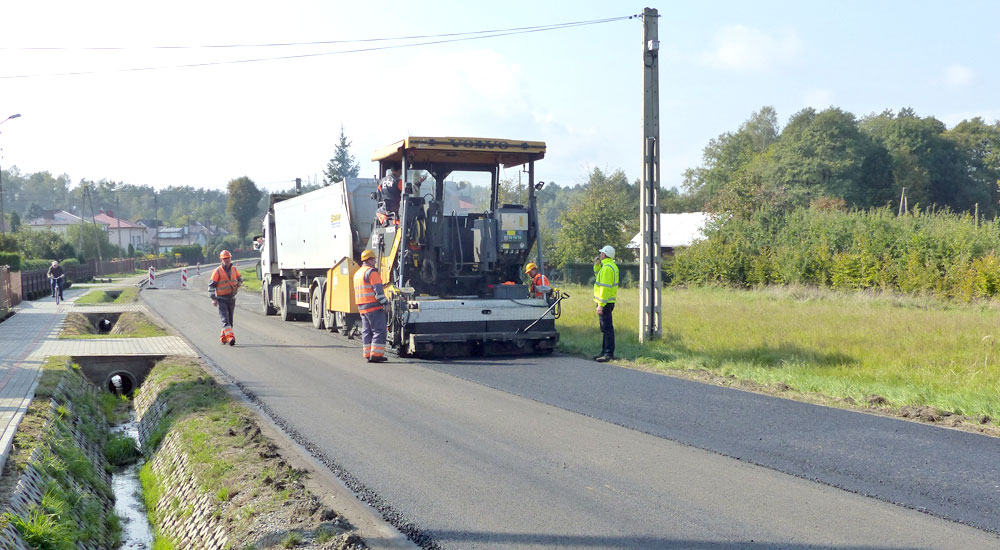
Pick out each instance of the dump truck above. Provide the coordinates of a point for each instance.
(451, 252)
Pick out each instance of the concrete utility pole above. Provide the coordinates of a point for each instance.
(650, 276)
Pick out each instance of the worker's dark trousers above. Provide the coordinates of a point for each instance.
(608, 330)
(226, 309)
(373, 333)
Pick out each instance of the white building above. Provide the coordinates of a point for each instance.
(60, 221)
(123, 232)
(677, 230)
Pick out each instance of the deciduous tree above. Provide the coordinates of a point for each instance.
(243, 203)
(606, 213)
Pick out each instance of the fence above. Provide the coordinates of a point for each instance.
(128, 265)
(583, 274)
(6, 292)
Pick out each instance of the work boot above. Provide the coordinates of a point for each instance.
(380, 359)
(603, 358)
(232, 341)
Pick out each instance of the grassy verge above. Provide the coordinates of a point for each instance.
(130, 325)
(232, 462)
(250, 281)
(127, 295)
(125, 275)
(71, 513)
(889, 351)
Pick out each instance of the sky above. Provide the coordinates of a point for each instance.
(131, 114)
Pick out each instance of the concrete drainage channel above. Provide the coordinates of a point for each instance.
(93, 459)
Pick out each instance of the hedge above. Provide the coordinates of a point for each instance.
(11, 259)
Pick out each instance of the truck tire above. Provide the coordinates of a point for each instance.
(283, 310)
(266, 308)
(316, 307)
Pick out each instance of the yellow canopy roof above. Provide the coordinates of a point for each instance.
(508, 152)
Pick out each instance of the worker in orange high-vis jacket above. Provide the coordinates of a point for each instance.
(226, 280)
(540, 286)
(371, 300)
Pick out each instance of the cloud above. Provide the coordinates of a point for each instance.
(958, 76)
(742, 48)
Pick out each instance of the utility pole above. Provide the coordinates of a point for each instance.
(118, 216)
(97, 235)
(3, 229)
(156, 228)
(650, 276)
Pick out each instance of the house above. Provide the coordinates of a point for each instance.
(60, 221)
(169, 237)
(121, 232)
(677, 230)
(149, 226)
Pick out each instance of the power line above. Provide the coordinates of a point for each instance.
(493, 34)
(552, 26)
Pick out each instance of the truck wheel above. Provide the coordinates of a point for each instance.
(317, 307)
(283, 310)
(266, 308)
(340, 321)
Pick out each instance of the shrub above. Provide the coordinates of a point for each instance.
(940, 252)
(189, 253)
(12, 259)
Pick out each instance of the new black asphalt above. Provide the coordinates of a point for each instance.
(946, 472)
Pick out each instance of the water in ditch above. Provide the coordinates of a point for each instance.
(136, 531)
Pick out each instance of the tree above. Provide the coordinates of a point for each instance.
(94, 241)
(342, 165)
(724, 157)
(242, 205)
(933, 169)
(826, 154)
(15, 221)
(606, 213)
(35, 211)
(981, 144)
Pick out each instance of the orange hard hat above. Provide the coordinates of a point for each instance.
(225, 254)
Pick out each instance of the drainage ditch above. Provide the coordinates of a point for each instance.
(185, 466)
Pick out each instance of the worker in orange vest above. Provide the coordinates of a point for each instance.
(226, 280)
(371, 300)
(539, 283)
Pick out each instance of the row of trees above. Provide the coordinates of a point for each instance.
(865, 162)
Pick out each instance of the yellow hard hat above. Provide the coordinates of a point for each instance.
(367, 255)
(529, 267)
(225, 254)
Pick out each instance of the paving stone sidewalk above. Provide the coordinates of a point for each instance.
(31, 335)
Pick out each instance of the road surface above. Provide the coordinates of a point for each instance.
(559, 452)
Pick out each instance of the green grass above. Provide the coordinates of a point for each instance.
(911, 351)
(128, 295)
(250, 281)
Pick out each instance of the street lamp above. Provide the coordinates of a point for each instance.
(3, 226)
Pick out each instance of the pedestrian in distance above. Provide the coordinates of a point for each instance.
(540, 286)
(371, 300)
(226, 280)
(56, 276)
(605, 291)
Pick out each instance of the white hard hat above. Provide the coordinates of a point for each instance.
(609, 251)
(54, 263)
